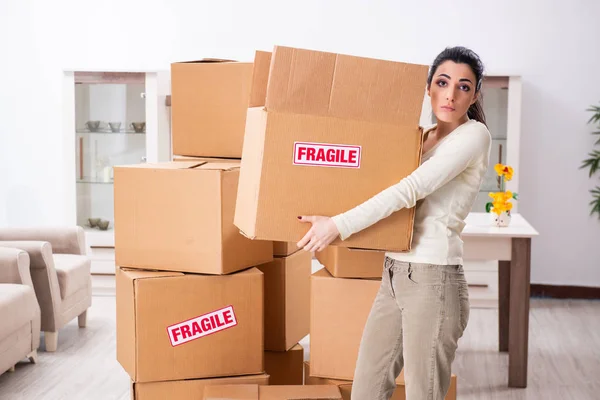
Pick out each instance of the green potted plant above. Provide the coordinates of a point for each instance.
(593, 162)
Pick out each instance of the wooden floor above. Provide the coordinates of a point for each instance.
(564, 361)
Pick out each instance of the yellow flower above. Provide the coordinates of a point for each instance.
(501, 197)
(498, 208)
(499, 168)
(505, 170)
(501, 201)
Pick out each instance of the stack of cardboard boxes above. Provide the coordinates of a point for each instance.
(211, 287)
(198, 303)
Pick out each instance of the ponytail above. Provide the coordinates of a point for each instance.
(476, 111)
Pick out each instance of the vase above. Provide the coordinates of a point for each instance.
(501, 220)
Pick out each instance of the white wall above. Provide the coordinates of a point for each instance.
(552, 44)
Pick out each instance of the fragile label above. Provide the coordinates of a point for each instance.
(201, 326)
(327, 155)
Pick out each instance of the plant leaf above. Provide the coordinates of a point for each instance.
(488, 207)
(596, 111)
(595, 203)
(593, 163)
(515, 196)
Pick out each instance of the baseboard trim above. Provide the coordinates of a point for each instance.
(565, 292)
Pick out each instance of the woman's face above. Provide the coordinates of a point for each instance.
(452, 91)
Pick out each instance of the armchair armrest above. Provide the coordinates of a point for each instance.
(44, 278)
(64, 240)
(40, 253)
(14, 266)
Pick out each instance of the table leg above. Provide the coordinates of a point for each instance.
(503, 303)
(518, 336)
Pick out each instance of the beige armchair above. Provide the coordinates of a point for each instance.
(60, 271)
(19, 310)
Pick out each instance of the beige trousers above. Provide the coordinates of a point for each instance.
(419, 313)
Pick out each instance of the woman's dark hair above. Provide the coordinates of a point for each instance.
(463, 55)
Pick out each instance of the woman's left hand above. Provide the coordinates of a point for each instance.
(320, 235)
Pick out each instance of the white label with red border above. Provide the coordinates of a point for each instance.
(327, 155)
(201, 326)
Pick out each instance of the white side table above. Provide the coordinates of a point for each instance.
(511, 246)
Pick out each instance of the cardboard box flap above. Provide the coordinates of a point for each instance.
(249, 271)
(220, 166)
(205, 164)
(231, 392)
(135, 274)
(260, 78)
(335, 85)
(166, 165)
(291, 392)
(322, 273)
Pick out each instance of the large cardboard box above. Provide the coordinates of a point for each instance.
(178, 216)
(189, 389)
(283, 249)
(287, 300)
(209, 99)
(285, 367)
(278, 392)
(339, 309)
(342, 262)
(330, 132)
(346, 386)
(173, 326)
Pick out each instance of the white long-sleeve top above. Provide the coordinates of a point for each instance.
(443, 188)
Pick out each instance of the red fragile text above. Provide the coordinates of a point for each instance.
(203, 325)
(327, 155)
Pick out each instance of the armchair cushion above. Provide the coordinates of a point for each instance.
(73, 273)
(18, 306)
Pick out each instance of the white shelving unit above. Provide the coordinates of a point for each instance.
(120, 97)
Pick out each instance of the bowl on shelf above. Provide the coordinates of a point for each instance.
(115, 126)
(103, 224)
(93, 222)
(93, 126)
(138, 127)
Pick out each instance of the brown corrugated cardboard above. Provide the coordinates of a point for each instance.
(208, 107)
(178, 216)
(260, 78)
(346, 386)
(173, 326)
(287, 300)
(283, 249)
(338, 305)
(342, 262)
(334, 131)
(453, 389)
(318, 392)
(255, 392)
(231, 392)
(285, 367)
(189, 389)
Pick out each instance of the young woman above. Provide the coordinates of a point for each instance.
(422, 307)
